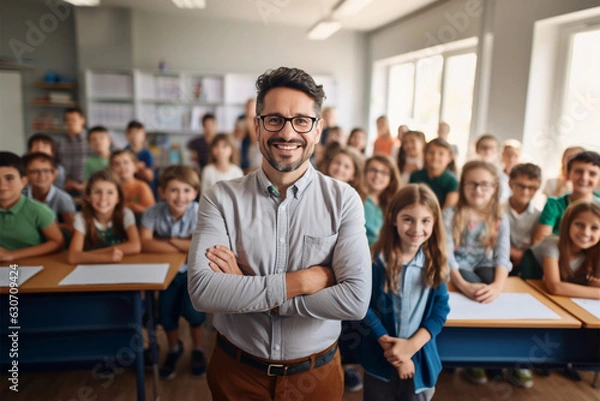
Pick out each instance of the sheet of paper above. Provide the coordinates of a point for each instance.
(507, 306)
(150, 273)
(590, 305)
(24, 273)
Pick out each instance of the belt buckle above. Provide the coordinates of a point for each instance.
(272, 365)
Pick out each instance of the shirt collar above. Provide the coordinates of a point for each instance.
(17, 206)
(183, 217)
(49, 197)
(418, 261)
(297, 188)
(77, 138)
(529, 209)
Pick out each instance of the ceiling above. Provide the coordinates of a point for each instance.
(303, 13)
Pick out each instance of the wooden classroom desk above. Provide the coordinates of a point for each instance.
(57, 268)
(589, 321)
(97, 327)
(520, 343)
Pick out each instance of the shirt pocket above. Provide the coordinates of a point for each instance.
(318, 250)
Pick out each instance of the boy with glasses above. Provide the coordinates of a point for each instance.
(41, 173)
(28, 227)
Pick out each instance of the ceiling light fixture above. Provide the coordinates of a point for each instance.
(347, 8)
(84, 3)
(324, 29)
(190, 3)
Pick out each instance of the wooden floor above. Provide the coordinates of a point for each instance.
(84, 386)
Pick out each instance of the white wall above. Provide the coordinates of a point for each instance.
(196, 44)
(42, 34)
(444, 23)
(511, 58)
(11, 112)
(512, 28)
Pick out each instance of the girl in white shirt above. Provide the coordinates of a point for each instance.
(222, 162)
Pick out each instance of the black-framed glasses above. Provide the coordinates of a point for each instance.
(523, 187)
(300, 124)
(40, 171)
(485, 185)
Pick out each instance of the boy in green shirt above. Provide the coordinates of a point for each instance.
(583, 171)
(99, 141)
(28, 227)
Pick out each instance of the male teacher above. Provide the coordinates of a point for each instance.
(280, 257)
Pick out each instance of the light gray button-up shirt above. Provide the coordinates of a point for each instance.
(320, 222)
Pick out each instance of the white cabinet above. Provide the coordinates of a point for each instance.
(172, 102)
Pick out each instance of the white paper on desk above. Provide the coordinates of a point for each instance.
(24, 274)
(590, 305)
(151, 273)
(507, 306)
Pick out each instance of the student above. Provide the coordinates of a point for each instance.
(410, 155)
(443, 132)
(382, 181)
(45, 144)
(329, 117)
(347, 165)
(99, 141)
(409, 301)
(524, 181)
(136, 136)
(511, 153)
(222, 162)
(559, 186)
(105, 229)
(28, 226)
(583, 171)
(486, 148)
(41, 171)
(137, 193)
(385, 142)
(245, 135)
(201, 144)
(358, 140)
(167, 227)
(478, 237)
(571, 261)
(438, 160)
(402, 129)
(73, 151)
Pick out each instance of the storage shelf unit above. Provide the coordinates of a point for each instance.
(47, 106)
(169, 102)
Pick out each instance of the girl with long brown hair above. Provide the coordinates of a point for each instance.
(382, 181)
(104, 230)
(571, 261)
(409, 301)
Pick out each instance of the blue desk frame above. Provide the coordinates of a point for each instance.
(525, 347)
(82, 330)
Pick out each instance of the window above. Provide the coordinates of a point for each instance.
(457, 107)
(579, 117)
(424, 88)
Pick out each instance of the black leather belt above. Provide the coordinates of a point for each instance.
(274, 369)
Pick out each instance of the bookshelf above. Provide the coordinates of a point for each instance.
(48, 105)
(172, 102)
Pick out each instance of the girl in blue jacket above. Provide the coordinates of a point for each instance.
(409, 301)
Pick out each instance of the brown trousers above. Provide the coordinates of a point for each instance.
(231, 380)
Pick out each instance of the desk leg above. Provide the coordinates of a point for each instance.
(150, 307)
(139, 348)
(595, 381)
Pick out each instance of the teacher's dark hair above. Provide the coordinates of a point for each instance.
(293, 78)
